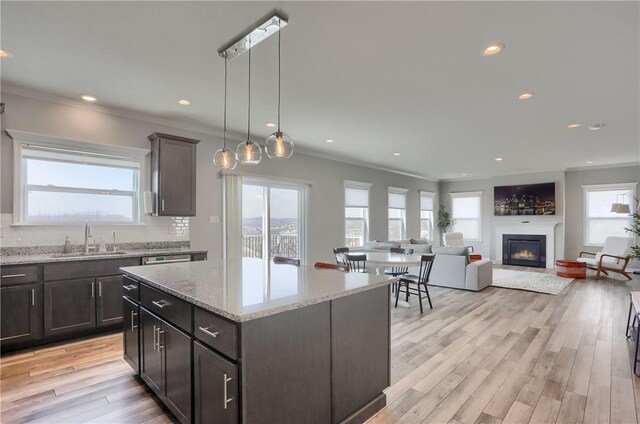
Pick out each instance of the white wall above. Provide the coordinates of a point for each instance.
(487, 246)
(325, 216)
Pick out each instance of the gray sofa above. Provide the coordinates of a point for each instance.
(452, 268)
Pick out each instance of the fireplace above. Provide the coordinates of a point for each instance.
(524, 250)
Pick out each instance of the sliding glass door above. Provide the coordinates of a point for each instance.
(272, 219)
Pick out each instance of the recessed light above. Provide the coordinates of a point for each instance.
(88, 98)
(576, 125)
(329, 141)
(4, 54)
(396, 154)
(464, 175)
(493, 49)
(589, 162)
(184, 102)
(499, 159)
(596, 127)
(525, 96)
(271, 125)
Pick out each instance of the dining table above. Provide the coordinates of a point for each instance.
(382, 260)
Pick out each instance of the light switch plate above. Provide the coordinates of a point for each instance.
(214, 220)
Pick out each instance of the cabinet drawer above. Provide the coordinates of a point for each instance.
(131, 288)
(216, 332)
(87, 269)
(19, 274)
(166, 306)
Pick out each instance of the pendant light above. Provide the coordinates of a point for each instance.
(279, 144)
(248, 152)
(225, 158)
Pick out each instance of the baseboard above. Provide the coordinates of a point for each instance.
(367, 411)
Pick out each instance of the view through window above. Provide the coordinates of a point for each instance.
(271, 220)
(65, 187)
(599, 221)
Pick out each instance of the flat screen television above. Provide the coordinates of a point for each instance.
(528, 199)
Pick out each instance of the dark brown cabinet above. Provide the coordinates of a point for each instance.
(215, 387)
(166, 363)
(69, 306)
(21, 307)
(151, 367)
(109, 300)
(130, 339)
(173, 174)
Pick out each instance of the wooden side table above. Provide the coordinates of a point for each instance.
(634, 306)
(571, 269)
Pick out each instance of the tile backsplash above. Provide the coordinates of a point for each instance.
(151, 229)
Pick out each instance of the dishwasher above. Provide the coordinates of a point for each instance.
(154, 260)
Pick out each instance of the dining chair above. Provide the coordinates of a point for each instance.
(415, 283)
(396, 271)
(357, 263)
(326, 265)
(339, 250)
(283, 260)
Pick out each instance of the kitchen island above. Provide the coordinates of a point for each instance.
(255, 342)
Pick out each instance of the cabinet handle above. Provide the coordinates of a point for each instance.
(14, 275)
(206, 331)
(154, 337)
(160, 303)
(100, 288)
(162, 205)
(226, 399)
(33, 297)
(133, 327)
(159, 345)
(93, 289)
(129, 288)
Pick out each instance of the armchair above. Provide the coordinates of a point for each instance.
(456, 240)
(614, 257)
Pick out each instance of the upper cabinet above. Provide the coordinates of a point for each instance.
(173, 174)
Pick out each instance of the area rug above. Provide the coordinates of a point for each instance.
(532, 281)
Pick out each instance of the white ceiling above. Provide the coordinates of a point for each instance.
(378, 77)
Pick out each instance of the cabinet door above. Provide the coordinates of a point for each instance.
(21, 309)
(131, 332)
(151, 366)
(69, 306)
(177, 174)
(109, 300)
(176, 348)
(215, 386)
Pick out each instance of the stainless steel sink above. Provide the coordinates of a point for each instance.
(84, 255)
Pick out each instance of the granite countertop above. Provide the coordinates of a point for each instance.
(241, 290)
(49, 257)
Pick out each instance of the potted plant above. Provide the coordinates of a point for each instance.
(635, 229)
(444, 219)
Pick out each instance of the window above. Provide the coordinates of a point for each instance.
(466, 210)
(272, 212)
(426, 214)
(356, 213)
(62, 182)
(599, 221)
(397, 214)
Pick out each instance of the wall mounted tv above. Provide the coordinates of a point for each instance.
(529, 199)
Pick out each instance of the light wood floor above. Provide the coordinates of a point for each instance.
(498, 356)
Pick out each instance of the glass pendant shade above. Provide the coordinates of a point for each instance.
(225, 159)
(249, 153)
(279, 145)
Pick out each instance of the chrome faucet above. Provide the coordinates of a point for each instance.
(115, 247)
(87, 235)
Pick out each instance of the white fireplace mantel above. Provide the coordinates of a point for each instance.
(530, 228)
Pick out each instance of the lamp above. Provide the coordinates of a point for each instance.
(225, 158)
(279, 144)
(249, 153)
(625, 208)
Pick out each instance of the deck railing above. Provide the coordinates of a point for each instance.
(279, 245)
